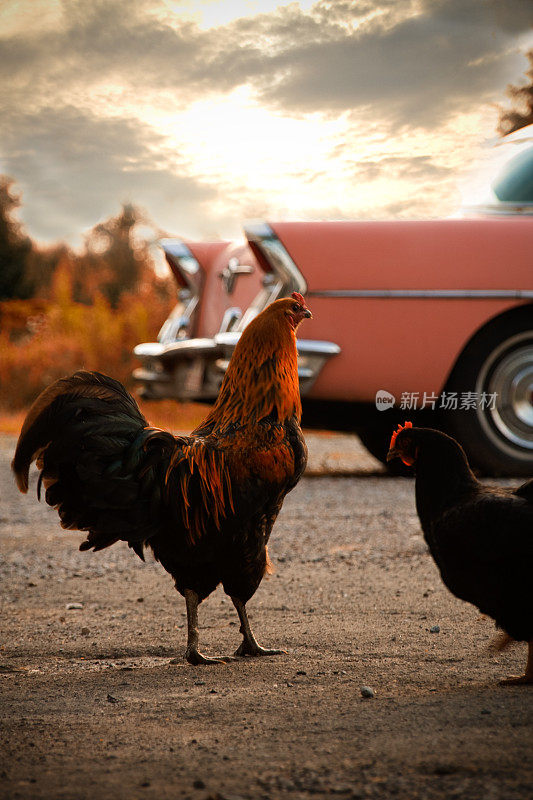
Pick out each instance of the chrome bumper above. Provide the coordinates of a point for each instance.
(193, 369)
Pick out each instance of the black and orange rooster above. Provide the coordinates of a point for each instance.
(205, 503)
(481, 537)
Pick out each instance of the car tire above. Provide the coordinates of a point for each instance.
(497, 436)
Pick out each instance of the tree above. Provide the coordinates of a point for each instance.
(113, 255)
(522, 97)
(15, 246)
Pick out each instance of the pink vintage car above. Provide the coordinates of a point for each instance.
(430, 321)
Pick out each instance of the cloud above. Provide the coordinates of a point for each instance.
(81, 98)
(75, 168)
(412, 168)
(439, 58)
(411, 62)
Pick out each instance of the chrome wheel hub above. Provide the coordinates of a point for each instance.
(508, 373)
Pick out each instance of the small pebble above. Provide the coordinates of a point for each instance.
(199, 784)
(435, 629)
(111, 699)
(85, 631)
(74, 606)
(485, 711)
(366, 691)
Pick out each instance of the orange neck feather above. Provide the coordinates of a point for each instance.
(262, 376)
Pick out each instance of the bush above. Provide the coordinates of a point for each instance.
(42, 340)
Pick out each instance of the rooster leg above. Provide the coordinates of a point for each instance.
(249, 645)
(192, 654)
(527, 677)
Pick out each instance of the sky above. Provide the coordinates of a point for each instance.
(209, 113)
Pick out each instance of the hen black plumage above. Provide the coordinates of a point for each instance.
(481, 537)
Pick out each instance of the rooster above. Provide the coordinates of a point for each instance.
(481, 537)
(205, 504)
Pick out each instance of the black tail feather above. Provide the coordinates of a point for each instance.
(99, 465)
(59, 404)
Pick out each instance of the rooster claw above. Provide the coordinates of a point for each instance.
(196, 658)
(246, 649)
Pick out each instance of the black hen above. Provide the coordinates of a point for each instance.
(481, 537)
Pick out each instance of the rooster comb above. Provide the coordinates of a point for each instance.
(299, 298)
(397, 431)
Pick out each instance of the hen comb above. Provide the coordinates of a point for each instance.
(396, 432)
(299, 298)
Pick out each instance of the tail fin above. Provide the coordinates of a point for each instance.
(59, 405)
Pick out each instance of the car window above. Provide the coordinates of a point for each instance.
(514, 184)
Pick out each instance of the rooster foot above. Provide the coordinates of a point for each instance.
(517, 680)
(248, 649)
(195, 657)
(249, 645)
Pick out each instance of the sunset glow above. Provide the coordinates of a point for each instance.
(208, 113)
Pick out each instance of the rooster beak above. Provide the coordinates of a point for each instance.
(392, 454)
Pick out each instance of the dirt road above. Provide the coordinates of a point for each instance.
(91, 706)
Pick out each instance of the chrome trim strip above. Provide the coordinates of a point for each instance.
(440, 294)
(262, 235)
(304, 346)
(231, 272)
(182, 347)
(187, 262)
(229, 340)
(148, 376)
(231, 318)
(180, 321)
(317, 347)
(502, 208)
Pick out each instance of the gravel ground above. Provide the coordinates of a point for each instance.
(92, 707)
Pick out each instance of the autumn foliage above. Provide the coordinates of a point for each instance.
(61, 310)
(41, 341)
